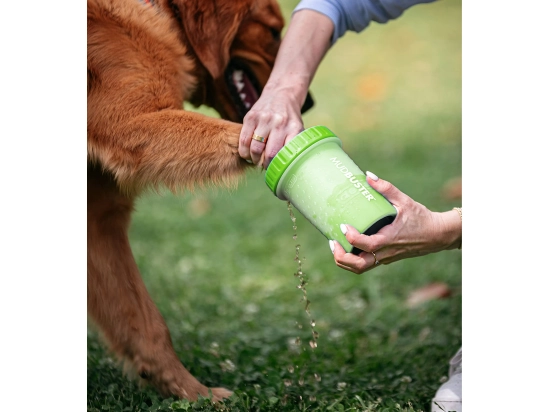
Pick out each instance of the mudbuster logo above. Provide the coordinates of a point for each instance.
(353, 180)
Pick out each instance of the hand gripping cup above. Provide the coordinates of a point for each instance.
(327, 187)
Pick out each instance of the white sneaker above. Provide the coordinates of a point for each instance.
(449, 395)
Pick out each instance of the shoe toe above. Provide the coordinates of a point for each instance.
(449, 395)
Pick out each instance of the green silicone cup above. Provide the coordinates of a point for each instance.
(327, 187)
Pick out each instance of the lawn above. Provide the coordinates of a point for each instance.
(220, 263)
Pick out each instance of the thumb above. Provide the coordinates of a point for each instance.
(386, 189)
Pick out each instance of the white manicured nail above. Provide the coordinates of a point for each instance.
(372, 176)
(343, 228)
(331, 244)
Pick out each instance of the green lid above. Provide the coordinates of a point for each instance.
(291, 151)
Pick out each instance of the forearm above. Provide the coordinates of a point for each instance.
(356, 15)
(304, 46)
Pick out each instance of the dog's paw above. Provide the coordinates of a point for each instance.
(192, 393)
(219, 394)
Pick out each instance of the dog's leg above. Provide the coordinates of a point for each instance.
(171, 148)
(118, 301)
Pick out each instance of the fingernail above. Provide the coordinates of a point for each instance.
(344, 228)
(372, 176)
(331, 244)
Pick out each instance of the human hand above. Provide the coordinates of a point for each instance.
(416, 231)
(276, 117)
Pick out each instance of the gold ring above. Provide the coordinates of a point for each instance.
(258, 138)
(376, 262)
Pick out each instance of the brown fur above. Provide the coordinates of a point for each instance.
(143, 62)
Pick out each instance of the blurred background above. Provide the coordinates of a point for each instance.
(220, 263)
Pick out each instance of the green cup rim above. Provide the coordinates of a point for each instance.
(292, 150)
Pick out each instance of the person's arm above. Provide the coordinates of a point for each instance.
(416, 231)
(356, 15)
(315, 25)
(276, 115)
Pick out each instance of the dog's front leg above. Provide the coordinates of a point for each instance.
(171, 148)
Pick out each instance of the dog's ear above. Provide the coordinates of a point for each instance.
(210, 27)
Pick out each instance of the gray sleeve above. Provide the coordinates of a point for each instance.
(356, 15)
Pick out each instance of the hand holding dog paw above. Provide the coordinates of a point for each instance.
(276, 119)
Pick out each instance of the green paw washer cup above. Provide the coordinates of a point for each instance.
(327, 187)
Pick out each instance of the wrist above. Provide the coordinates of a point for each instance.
(452, 229)
(288, 87)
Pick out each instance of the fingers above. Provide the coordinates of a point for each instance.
(273, 120)
(257, 147)
(256, 151)
(414, 232)
(360, 241)
(348, 261)
(386, 189)
(245, 138)
(279, 136)
(276, 126)
(264, 153)
(254, 138)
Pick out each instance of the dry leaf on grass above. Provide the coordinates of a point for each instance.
(199, 206)
(436, 290)
(452, 190)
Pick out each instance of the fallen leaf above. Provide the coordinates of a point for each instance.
(452, 190)
(436, 290)
(199, 206)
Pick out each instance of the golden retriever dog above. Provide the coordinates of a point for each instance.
(145, 58)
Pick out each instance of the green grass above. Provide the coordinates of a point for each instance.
(219, 264)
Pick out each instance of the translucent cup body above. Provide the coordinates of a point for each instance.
(329, 189)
